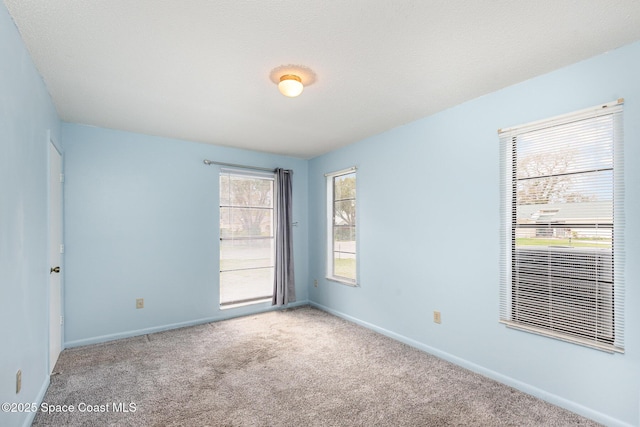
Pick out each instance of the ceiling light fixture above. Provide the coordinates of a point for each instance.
(290, 85)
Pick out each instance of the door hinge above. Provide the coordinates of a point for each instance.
(61, 320)
(61, 177)
(61, 249)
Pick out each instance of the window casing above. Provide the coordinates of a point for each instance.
(247, 252)
(562, 227)
(341, 230)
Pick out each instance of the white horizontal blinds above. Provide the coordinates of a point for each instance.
(619, 228)
(559, 192)
(246, 236)
(507, 206)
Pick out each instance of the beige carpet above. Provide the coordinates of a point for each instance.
(298, 367)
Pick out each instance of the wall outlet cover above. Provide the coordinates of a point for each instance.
(436, 317)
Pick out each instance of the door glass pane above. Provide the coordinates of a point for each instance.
(239, 254)
(246, 285)
(236, 222)
(246, 239)
(224, 190)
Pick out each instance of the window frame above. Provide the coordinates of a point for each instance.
(508, 255)
(330, 210)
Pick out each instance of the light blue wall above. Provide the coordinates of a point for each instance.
(27, 116)
(428, 197)
(141, 221)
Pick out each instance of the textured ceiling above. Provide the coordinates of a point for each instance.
(200, 69)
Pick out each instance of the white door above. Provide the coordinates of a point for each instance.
(55, 249)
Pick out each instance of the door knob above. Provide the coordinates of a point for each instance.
(54, 270)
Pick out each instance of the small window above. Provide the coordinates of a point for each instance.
(341, 221)
(562, 228)
(246, 238)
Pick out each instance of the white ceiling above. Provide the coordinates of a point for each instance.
(200, 69)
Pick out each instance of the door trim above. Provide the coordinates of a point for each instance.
(51, 144)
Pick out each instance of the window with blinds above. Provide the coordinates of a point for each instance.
(341, 220)
(562, 227)
(246, 237)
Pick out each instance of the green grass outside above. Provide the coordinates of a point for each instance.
(574, 243)
(345, 267)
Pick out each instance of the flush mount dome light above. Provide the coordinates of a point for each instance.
(292, 79)
(290, 85)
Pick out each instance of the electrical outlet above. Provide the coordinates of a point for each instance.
(436, 317)
(18, 381)
(315, 283)
(140, 303)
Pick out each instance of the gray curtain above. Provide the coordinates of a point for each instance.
(284, 290)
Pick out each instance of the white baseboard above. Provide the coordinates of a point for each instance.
(243, 311)
(39, 398)
(519, 385)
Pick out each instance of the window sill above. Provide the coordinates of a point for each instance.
(343, 281)
(559, 336)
